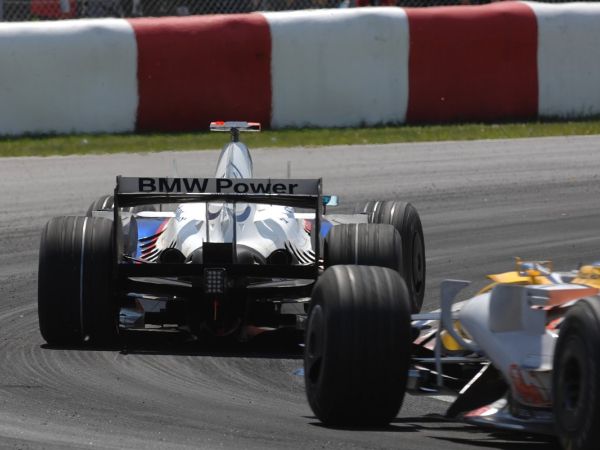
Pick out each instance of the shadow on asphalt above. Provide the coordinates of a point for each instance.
(386, 428)
(504, 441)
(477, 437)
(278, 344)
(482, 437)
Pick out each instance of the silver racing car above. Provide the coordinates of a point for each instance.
(521, 355)
(227, 256)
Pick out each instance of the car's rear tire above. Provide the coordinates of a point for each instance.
(405, 218)
(76, 302)
(358, 344)
(103, 203)
(576, 377)
(363, 244)
(107, 203)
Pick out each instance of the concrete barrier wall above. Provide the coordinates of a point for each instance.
(63, 77)
(471, 63)
(196, 69)
(509, 60)
(568, 59)
(335, 68)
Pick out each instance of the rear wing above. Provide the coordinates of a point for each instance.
(132, 191)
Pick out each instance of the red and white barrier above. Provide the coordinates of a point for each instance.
(71, 76)
(197, 69)
(508, 60)
(568, 59)
(338, 68)
(472, 63)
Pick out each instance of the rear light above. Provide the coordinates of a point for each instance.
(214, 281)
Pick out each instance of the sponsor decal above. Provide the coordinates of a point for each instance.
(525, 388)
(179, 217)
(172, 185)
(218, 186)
(222, 185)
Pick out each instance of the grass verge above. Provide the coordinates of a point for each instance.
(120, 143)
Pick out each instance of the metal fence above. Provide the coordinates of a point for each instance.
(29, 10)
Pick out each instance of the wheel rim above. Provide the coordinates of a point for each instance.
(314, 345)
(418, 264)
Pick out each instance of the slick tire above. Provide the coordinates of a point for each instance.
(76, 302)
(405, 218)
(576, 377)
(104, 203)
(364, 244)
(358, 343)
(107, 203)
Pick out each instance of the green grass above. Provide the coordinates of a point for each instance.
(118, 143)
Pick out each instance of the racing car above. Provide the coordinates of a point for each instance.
(523, 354)
(230, 255)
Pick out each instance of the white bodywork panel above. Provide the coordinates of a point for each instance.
(264, 228)
(514, 337)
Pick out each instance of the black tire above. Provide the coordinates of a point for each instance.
(107, 203)
(405, 218)
(363, 244)
(576, 377)
(358, 345)
(76, 302)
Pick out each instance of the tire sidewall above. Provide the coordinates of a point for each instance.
(577, 346)
(414, 256)
(405, 218)
(360, 316)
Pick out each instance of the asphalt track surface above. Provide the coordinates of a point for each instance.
(482, 203)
